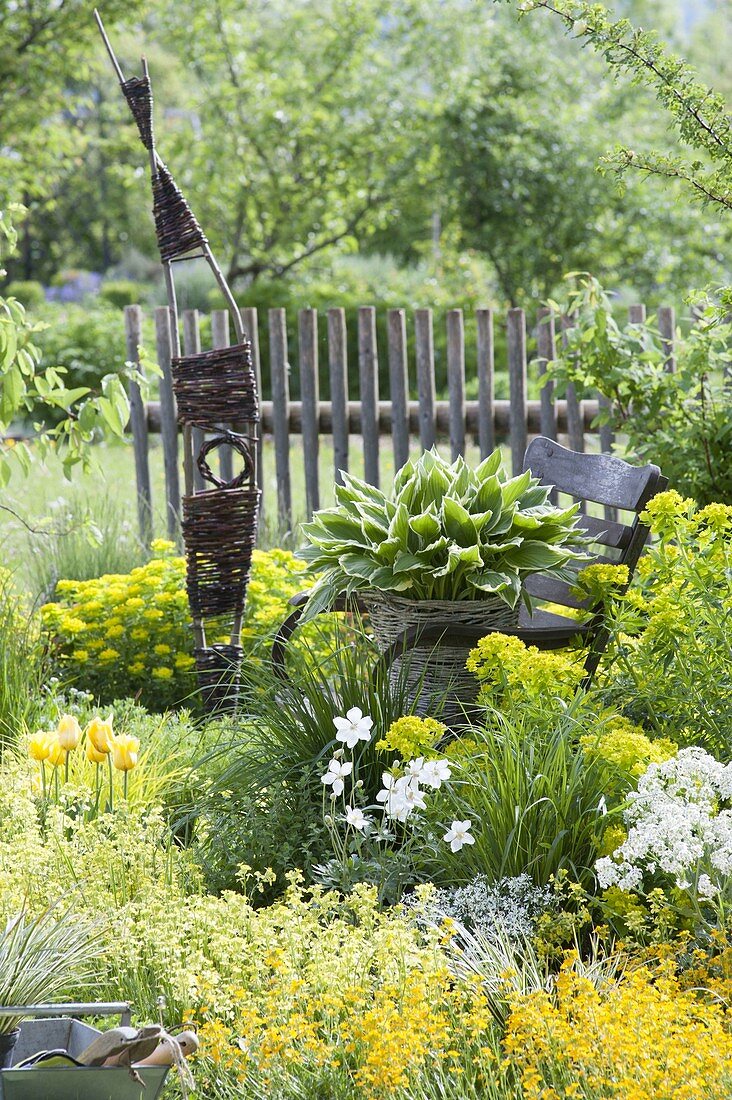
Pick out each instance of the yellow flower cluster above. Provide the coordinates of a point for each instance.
(641, 1038)
(627, 747)
(102, 745)
(598, 582)
(412, 736)
(130, 634)
(509, 670)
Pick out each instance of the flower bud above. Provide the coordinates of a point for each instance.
(125, 750)
(68, 732)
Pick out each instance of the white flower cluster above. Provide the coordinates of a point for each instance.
(680, 823)
(509, 907)
(401, 794)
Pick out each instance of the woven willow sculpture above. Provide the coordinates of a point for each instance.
(216, 392)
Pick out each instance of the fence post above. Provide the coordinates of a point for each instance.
(338, 368)
(281, 413)
(575, 412)
(425, 376)
(546, 351)
(310, 399)
(251, 327)
(516, 326)
(667, 328)
(368, 369)
(456, 381)
(486, 368)
(138, 423)
(399, 386)
(168, 419)
(220, 339)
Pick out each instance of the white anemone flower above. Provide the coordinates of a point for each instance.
(434, 773)
(400, 796)
(458, 835)
(357, 818)
(355, 727)
(336, 773)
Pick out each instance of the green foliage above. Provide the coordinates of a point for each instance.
(87, 341)
(130, 633)
(446, 533)
(668, 665)
(122, 292)
(28, 390)
(699, 114)
(83, 538)
(23, 669)
(28, 292)
(538, 803)
(681, 419)
(264, 807)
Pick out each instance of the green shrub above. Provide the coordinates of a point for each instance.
(669, 663)
(28, 292)
(130, 634)
(122, 292)
(88, 341)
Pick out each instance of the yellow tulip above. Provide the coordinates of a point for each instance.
(39, 745)
(100, 735)
(68, 732)
(57, 754)
(124, 752)
(93, 754)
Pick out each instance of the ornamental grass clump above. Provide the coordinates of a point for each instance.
(446, 532)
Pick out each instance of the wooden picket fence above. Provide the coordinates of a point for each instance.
(283, 414)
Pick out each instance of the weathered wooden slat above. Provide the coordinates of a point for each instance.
(442, 417)
(546, 351)
(220, 339)
(637, 314)
(607, 532)
(167, 420)
(425, 356)
(368, 371)
(547, 588)
(575, 416)
(250, 321)
(516, 331)
(456, 380)
(138, 422)
(338, 370)
(398, 385)
(280, 415)
(192, 346)
(601, 478)
(667, 328)
(486, 369)
(307, 328)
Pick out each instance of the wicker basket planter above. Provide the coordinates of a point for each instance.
(436, 669)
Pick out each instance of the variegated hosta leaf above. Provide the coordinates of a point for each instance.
(445, 532)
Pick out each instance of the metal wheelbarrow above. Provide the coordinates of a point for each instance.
(51, 1027)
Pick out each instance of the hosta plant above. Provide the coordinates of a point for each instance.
(445, 532)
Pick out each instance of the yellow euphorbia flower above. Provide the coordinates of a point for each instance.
(100, 736)
(68, 732)
(57, 754)
(124, 752)
(39, 745)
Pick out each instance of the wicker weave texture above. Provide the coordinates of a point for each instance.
(177, 229)
(138, 93)
(216, 387)
(219, 531)
(436, 669)
(219, 676)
